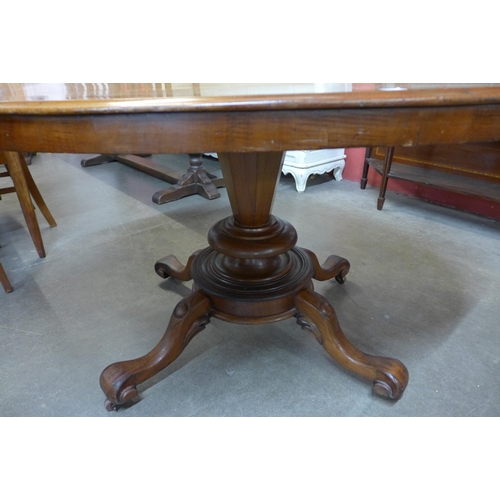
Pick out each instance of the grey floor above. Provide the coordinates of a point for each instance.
(423, 288)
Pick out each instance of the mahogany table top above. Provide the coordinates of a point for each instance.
(186, 118)
(67, 98)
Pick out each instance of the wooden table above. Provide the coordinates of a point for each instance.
(251, 272)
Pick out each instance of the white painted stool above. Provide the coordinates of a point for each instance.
(303, 164)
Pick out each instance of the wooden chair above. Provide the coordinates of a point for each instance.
(26, 189)
(4, 280)
(384, 171)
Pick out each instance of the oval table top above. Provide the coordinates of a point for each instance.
(84, 98)
(197, 117)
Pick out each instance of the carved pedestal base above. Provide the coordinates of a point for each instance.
(252, 273)
(289, 295)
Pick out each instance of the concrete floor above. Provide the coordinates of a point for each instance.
(423, 288)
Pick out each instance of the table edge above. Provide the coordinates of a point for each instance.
(340, 100)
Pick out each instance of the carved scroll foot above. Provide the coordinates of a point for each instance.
(171, 266)
(316, 315)
(119, 381)
(334, 267)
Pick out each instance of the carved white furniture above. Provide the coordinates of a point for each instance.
(303, 164)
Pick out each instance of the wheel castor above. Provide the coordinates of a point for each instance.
(341, 278)
(111, 406)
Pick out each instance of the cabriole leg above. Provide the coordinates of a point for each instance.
(119, 381)
(316, 315)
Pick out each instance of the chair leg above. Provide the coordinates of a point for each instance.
(37, 197)
(4, 280)
(385, 177)
(14, 161)
(364, 177)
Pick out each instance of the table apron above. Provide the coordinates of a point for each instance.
(249, 131)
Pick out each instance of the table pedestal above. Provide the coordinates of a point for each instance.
(252, 273)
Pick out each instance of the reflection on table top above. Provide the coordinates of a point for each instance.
(86, 91)
(68, 98)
